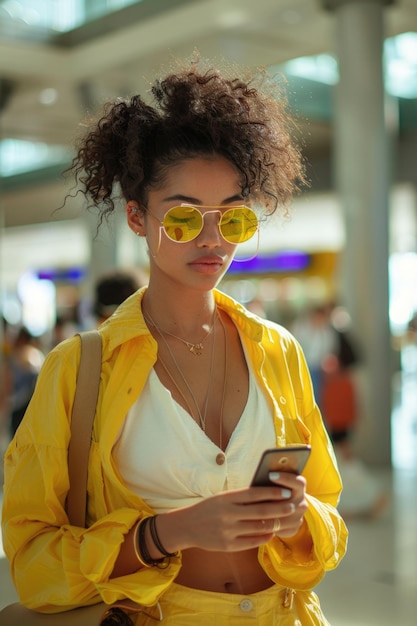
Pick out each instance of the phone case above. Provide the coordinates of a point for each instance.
(291, 459)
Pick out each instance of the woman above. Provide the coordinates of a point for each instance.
(193, 387)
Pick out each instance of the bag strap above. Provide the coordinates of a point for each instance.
(83, 411)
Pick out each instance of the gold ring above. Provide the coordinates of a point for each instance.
(277, 526)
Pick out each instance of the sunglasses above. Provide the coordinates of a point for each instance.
(184, 223)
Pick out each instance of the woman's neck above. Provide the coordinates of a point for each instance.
(180, 313)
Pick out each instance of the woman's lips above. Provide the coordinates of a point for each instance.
(207, 264)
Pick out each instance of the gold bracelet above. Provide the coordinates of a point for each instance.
(136, 544)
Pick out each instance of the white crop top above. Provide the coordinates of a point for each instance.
(165, 457)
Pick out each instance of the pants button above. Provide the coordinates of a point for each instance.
(246, 605)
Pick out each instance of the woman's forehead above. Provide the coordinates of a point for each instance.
(197, 179)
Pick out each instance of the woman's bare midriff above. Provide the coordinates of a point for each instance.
(224, 572)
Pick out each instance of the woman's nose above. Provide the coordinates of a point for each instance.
(210, 233)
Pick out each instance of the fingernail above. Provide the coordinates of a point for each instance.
(286, 493)
(274, 475)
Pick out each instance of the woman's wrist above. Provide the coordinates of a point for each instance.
(153, 529)
(174, 530)
(148, 547)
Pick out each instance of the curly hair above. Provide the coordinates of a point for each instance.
(194, 113)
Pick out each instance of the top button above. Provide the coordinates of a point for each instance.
(283, 400)
(220, 458)
(246, 605)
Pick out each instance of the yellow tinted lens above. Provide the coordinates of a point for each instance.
(183, 223)
(238, 224)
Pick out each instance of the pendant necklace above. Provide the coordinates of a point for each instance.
(201, 415)
(194, 348)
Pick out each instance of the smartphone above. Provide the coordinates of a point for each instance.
(290, 459)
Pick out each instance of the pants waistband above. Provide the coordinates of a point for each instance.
(230, 603)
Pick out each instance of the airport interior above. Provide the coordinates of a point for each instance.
(349, 70)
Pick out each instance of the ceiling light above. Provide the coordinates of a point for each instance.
(231, 19)
(48, 96)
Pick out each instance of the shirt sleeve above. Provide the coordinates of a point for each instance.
(56, 566)
(301, 561)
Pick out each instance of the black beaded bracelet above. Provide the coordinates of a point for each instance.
(156, 539)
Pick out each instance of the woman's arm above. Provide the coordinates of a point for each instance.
(302, 560)
(55, 565)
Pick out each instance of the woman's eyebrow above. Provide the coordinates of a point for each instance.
(190, 200)
(180, 198)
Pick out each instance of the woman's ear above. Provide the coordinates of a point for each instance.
(135, 218)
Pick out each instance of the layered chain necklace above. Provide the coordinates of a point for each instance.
(225, 377)
(195, 410)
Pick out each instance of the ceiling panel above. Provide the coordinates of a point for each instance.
(123, 61)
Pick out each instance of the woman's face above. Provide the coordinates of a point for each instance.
(203, 261)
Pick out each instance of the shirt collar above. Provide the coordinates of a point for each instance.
(128, 322)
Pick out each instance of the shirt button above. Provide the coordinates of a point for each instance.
(246, 605)
(283, 400)
(220, 458)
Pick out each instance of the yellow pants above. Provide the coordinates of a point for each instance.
(276, 606)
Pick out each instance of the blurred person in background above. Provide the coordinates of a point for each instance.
(339, 400)
(19, 371)
(112, 289)
(333, 356)
(318, 339)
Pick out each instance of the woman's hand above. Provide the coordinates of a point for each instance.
(289, 525)
(237, 520)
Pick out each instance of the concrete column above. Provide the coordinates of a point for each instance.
(363, 178)
(103, 254)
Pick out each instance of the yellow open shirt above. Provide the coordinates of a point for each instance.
(56, 566)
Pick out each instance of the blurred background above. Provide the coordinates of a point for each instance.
(349, 249)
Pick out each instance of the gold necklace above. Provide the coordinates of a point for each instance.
(201, 416)
(194, 348)
(225, 377)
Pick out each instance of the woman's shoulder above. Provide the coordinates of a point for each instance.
(264, 327)
(62, 357)
(275, 331)
(65, 348)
